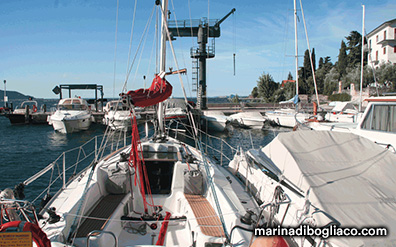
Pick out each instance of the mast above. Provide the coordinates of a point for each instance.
(296, 45)
(161, 127)
(362, 64)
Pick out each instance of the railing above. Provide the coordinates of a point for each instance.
(71, 162)
(214, 147)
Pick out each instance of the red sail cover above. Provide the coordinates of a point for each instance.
(159, 91)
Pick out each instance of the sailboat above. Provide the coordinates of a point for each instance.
(290, 117)
(155, 191)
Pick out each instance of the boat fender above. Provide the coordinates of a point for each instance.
(38, 236)
(34, 108)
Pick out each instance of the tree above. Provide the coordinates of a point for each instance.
(386, 75)
(331, 81)
(342, 59)
(313, 59)
(321, 62)
(306, 85)
(266, 87)
(254, 92)
(325, 66)
(354, 48)
(290, 76)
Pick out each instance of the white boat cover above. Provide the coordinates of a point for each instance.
(347, 176)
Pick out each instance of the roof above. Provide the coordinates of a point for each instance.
(387, 23)
(347, 176)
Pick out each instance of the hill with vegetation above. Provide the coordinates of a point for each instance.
(13, 95)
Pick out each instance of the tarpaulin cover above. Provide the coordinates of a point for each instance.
(159, 91)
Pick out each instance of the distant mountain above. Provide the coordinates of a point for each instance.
(13, 95)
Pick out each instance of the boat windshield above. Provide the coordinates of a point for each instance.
(70, 104)
(27, 103)
(114, 106)
(381, 118)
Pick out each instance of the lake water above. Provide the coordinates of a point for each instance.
(26, 149)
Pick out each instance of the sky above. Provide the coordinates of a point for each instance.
(45, 43)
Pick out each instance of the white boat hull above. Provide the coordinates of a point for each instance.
(70, 126)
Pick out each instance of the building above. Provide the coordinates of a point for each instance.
(382, 44)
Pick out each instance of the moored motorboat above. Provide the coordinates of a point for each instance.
(28, 113)
(118, 115)
(214, 121)
(377, 123)
(71, 115)
(249, 119)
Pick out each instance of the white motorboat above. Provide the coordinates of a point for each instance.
(344, 112)
(27, 113)
(286, 117)
(176, 113)
(252, 119)
(71, 115)
(214, 121)
(378, 122)
(323, 179)
(118, 115)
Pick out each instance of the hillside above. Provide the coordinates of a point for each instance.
(13, 95)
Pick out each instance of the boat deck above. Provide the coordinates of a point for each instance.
(207, 218)
(103, 210)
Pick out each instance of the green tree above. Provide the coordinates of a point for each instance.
(331, 81)
(325, 66)
(290, 76)
(254, 92)
(342, 59)
(306, 85)
(321, 62)
(266, 87)
(354, 41)
(386, 75)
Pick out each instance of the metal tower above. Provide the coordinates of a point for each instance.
(202, 29)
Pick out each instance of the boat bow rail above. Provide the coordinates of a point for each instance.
(72, 162)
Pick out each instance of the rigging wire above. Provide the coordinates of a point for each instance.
(144, 44)
(183, 57)
(310, 54)
(115, 49)
(130, 42)
(138, 49)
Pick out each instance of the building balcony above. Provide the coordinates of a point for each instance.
(386, 42)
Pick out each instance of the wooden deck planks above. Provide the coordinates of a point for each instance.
(207, 218)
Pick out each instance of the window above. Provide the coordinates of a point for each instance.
(381, 117)
(394, 49)
(384, 50)
(384, 35)
(376, 56)
(370, 44)
(376, 37)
